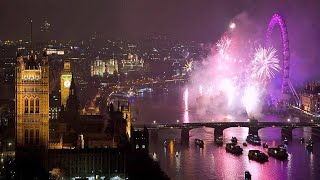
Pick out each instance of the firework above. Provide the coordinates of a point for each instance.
(228, 88)
(250, 99)
(265, 63)
(223, 45)
(200, 90)
(186, 98)
(188, 66)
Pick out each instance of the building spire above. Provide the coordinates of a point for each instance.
(31, 40)
(72, 88)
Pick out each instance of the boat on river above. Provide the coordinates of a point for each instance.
(278, 153)
(234, 149)
(258, 156)
(199, 142)
(254, 140)
(219, 141)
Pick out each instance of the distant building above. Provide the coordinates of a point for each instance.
(97, 163)
(140, 140)
(122, 101)
(310, 98)
(131, 63)
(54, 105)
(59, 52)
(103, 68)
(98, 68)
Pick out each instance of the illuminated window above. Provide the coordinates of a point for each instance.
(31, 105)
(31, 136)
(37, 136)
(26, 136)
(37, 105)
(26, 106)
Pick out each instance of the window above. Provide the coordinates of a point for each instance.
(31, 136)
(37, 105)
(31, 105)
(37, 137)
(26, 106)
(26, 136)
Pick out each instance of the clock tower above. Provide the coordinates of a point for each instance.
(66, 77)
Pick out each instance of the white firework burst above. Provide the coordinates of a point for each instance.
(188, 66)
(223, 45)
(265, 63)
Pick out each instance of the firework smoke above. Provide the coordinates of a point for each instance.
(224, 84)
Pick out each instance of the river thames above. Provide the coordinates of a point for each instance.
(184, 162)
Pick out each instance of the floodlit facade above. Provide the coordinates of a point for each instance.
(104, 67)
(32, 102)
(131, 63)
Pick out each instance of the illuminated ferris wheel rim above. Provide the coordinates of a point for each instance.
(278, 19)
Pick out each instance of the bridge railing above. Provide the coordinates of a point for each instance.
(227, 124)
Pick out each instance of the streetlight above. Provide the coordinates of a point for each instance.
(154, 122)
(178, 121)
(288, 119)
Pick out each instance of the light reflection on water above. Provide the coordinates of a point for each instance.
(213, 162)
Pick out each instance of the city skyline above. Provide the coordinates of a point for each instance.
(159, 90)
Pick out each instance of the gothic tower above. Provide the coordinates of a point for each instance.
(32, 102)
(126, 110)
(65, 83)
(73, 104)
(32, 116)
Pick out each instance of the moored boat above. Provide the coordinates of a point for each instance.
(258, 156)
(234, 149)
(278, 153)
(247, 175)
(265, 145)
(253, 139)
(282, 146)
(199, 142)
(234, 140)
(309, 146)
(219, 141)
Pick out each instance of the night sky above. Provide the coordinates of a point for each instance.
(202, 20)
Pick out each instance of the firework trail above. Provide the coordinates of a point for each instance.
(265, 63)
(186, 98)
(223, 46)
(250, 99)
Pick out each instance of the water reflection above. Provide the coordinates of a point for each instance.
(186, 106)
(186, 117)
(213, 162)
